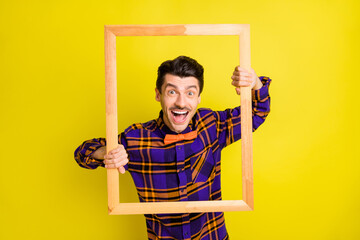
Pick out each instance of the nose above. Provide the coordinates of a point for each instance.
(180, 101)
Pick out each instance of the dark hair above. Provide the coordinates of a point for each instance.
(181, 66)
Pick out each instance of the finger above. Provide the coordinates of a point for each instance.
(119, 148)
(235, 83)
(245, 74)
(115, 165)
(242, 76)
(110, 165)
(109, 161)
(239, 70)
(245, 78)
(121, 170)
(237, 91)
(113, 155)
(242, 73)
(109, 157)
(235, 78)
(243, 70)
(244, 83)
(119, 153)
(113, 151)
(238, 82)
(121, 163)
(116, 159)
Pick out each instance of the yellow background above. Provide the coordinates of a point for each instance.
(306, 163)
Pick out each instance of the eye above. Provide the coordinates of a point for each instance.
(171, 92)
(191, 93)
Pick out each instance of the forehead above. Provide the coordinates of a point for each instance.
(180, 82)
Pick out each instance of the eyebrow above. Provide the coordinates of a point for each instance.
(174, 86)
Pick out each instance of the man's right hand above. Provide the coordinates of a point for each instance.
(117, 158)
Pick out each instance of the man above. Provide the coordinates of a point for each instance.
(176, 157)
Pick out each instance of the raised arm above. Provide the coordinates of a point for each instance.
(229, 121)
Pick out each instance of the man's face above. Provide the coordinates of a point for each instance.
(179, 98)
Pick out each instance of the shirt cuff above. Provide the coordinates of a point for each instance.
(93, 161)
(262, 93)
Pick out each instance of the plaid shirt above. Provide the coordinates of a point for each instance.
(188, 170)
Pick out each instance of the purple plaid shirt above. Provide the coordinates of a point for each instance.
(188, 170)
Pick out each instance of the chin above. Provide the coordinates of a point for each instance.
(178, 127)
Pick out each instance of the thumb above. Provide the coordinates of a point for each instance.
(121, 169)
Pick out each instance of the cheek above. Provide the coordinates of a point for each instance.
(194, 104)
(167, 102)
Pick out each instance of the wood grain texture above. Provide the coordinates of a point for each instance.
(147, 30)
(176, 29)
(214, 29)
(111, 115)
(180, 207)
(246, 122)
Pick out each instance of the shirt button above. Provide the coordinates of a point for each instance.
(179, 148)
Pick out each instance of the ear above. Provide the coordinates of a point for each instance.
(157, 95)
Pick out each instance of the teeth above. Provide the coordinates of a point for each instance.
(177, 112)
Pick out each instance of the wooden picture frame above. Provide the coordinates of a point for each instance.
(114, 205)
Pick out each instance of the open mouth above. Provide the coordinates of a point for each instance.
(179, 116)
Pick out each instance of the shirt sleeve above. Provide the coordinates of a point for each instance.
(83, 153)
(228, 122)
